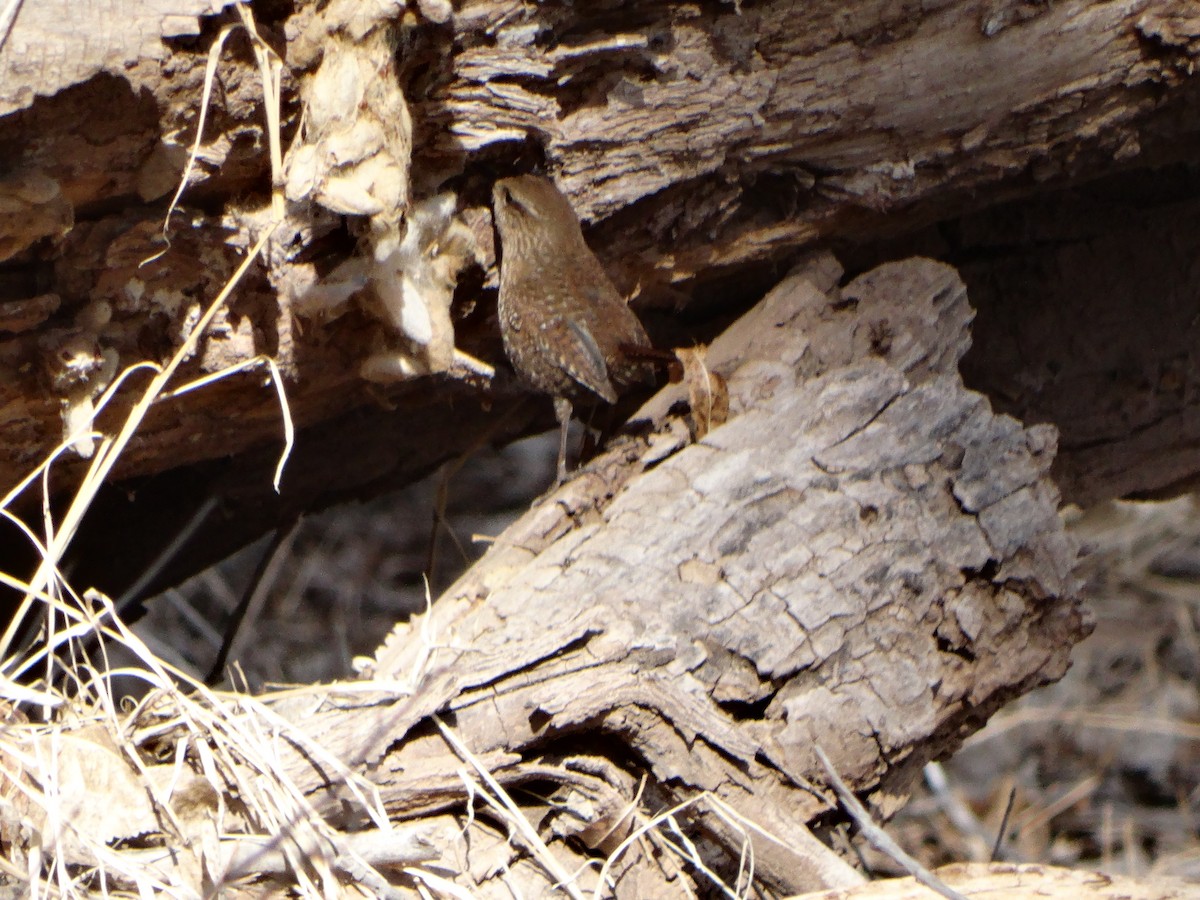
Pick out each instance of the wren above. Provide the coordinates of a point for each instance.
(562, 320)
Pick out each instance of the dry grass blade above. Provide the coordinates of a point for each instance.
(956, 810)
(110, 449)
(270, 67)
(233, 741)
(686, 850)
(447, 887)
(289, 429)
(210, 73)
(40, 470)
(499, 799)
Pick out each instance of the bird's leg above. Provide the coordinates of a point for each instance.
(562, 411)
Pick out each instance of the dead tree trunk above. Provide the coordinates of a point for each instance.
(708, 143)
(865, 558)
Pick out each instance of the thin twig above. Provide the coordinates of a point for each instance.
(8, 16)
(879, 838)
(491, 789)
(953, 807)
(134, 592)
(449, 470)
(279, 541)
(1008, 807)
(440, 523)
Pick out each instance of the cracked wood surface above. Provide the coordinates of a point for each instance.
(865, 557)
(702, 142)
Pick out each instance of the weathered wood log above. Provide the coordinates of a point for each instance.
(705, 141)
(864, 557)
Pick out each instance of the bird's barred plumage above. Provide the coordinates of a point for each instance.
(562, 321)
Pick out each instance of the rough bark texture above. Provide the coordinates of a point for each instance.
(864, 557)
(708, 141)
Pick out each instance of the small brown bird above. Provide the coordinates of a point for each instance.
(562, 321)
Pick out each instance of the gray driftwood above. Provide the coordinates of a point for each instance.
(701, 140)
(865, 557)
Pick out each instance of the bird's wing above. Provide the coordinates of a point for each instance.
(580, 355)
